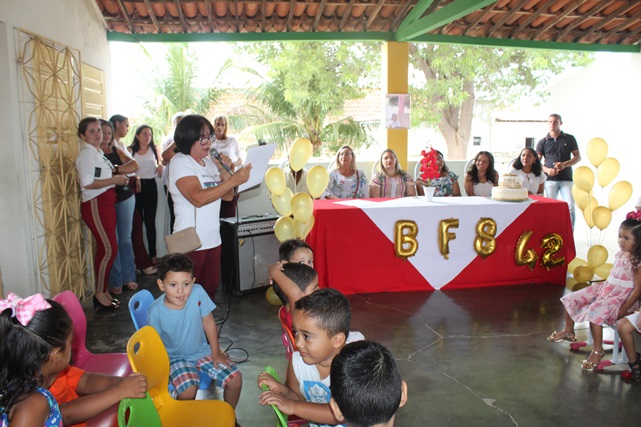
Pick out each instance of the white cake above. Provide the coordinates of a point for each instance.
(510, 189)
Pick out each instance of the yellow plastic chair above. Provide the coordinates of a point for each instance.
(148, 356)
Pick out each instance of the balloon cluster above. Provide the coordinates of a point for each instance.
(599, 216)
(300, 205)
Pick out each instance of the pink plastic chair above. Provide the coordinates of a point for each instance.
(107, 363)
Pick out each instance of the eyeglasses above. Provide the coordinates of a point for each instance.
(204, 140)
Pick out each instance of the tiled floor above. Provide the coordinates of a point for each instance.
(471, 358)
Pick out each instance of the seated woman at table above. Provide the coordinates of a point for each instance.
(446, 184)
(528, 166)
(481, 177)
(345, 180)
(390, 180)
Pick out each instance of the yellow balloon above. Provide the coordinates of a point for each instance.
(299, 153)
(583, 274)
(272, 298)
(584, 178)
(576, 262)
(607, 171)
(283, 203)
(604, 270)
(310, 225)
(303, 228)
(619, 194)
(275, 180)
(285, 228)
(317, 180)
(597, 151)
(570, 282)
(587, 201)
(601, 216)
(587, 215)
(597, 256)
(578, 195)
(302, 207)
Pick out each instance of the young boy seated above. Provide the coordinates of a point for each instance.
(367, 388)
(321, 325)
(182, 316)
(83, 395)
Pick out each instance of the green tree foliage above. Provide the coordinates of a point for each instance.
(303, 91)
(455, 76)
(173, 87)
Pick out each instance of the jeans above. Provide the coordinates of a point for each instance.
(552, 189)
(124, 270)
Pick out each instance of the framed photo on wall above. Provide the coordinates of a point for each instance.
(397, 110)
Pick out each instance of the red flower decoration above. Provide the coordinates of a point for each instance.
(429, 166)
(634, 215)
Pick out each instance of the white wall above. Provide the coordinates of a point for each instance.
(74, 23)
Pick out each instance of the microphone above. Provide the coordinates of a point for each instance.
(216, 155)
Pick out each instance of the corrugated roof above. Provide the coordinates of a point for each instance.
(583, 22)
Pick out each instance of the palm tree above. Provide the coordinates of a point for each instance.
(174, 90)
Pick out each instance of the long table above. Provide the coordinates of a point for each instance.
(354, 243)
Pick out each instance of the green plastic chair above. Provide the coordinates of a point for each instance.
(138, 413)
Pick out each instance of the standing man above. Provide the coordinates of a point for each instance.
(558, 152)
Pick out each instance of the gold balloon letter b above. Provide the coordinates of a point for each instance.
(485, 243)
(444, 235)
(405, 234)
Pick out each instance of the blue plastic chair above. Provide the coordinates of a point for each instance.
(138, 306)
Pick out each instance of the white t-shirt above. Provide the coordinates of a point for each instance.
(166, 143)
(529, 180)
(208, 216)
(92, 165)
(146, 164)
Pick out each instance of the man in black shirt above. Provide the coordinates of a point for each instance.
(558, 152)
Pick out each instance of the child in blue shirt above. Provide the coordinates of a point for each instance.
(182, 316)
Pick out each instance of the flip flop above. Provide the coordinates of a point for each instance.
(132, 286)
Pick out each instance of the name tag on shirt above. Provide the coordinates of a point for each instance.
(96, 172)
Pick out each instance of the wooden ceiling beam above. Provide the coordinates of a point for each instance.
(319, 13)
(374, 14)
(347, 13)
(263, 18)
(563, 15)
(632, 34)
(531, 18)
(474, 23)
(181, 16)
(152, 15)
(621, 10)
(292, 6)
(126, 15)
(237, 20)
(589, 14)
(620, 26)
(506, 15)
(400, 15)
(210, 20)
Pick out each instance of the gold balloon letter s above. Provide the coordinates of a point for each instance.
(552, 243)
(485, 243)
(405, 234)
(444, 235)
(524, 256)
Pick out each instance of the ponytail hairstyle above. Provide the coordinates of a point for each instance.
(632, 222)
(25, 349)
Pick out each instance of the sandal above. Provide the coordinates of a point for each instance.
(586, 365)
(565, 337)
(132, 286)
(150, 270)
(635, 369)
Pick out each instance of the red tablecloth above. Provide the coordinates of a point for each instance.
(353, 255)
